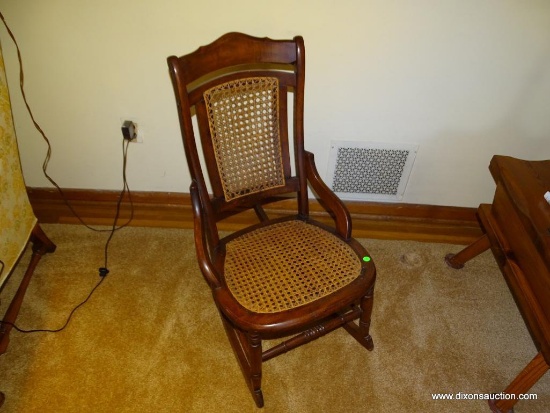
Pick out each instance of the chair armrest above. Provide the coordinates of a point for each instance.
(328, 199)
(208, 270)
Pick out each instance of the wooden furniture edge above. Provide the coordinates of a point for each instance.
(399, 221)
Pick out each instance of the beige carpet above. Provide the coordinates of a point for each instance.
(150, 340)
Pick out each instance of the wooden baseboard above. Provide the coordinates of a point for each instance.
(428, 223)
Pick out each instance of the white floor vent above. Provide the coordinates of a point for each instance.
(370, 171)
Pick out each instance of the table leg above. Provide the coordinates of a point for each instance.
(458, 260)
(521, 384)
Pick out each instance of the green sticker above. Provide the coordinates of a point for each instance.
(366, 259)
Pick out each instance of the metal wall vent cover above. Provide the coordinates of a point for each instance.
(370, 171)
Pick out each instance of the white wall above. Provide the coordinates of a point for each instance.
(464, 79)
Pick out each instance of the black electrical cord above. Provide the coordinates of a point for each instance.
(103, 271)
(48, 144)
(57, 330)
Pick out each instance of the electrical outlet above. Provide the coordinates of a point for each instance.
(129, 130)
(135, 125)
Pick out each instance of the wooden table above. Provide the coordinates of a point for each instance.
(517, 229)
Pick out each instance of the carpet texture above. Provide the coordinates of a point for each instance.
(150, 339)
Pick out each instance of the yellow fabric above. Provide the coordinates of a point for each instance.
(16, 215)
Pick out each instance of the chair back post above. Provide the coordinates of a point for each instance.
(300, 70)
(177, 74)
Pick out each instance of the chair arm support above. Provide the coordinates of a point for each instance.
(328, 199)
(206, 266)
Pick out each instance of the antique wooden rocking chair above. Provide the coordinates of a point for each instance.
(285, 277)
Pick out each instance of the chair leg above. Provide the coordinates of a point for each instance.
(41, 245)
(248, 350)
(256, 369)
(361, 332)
